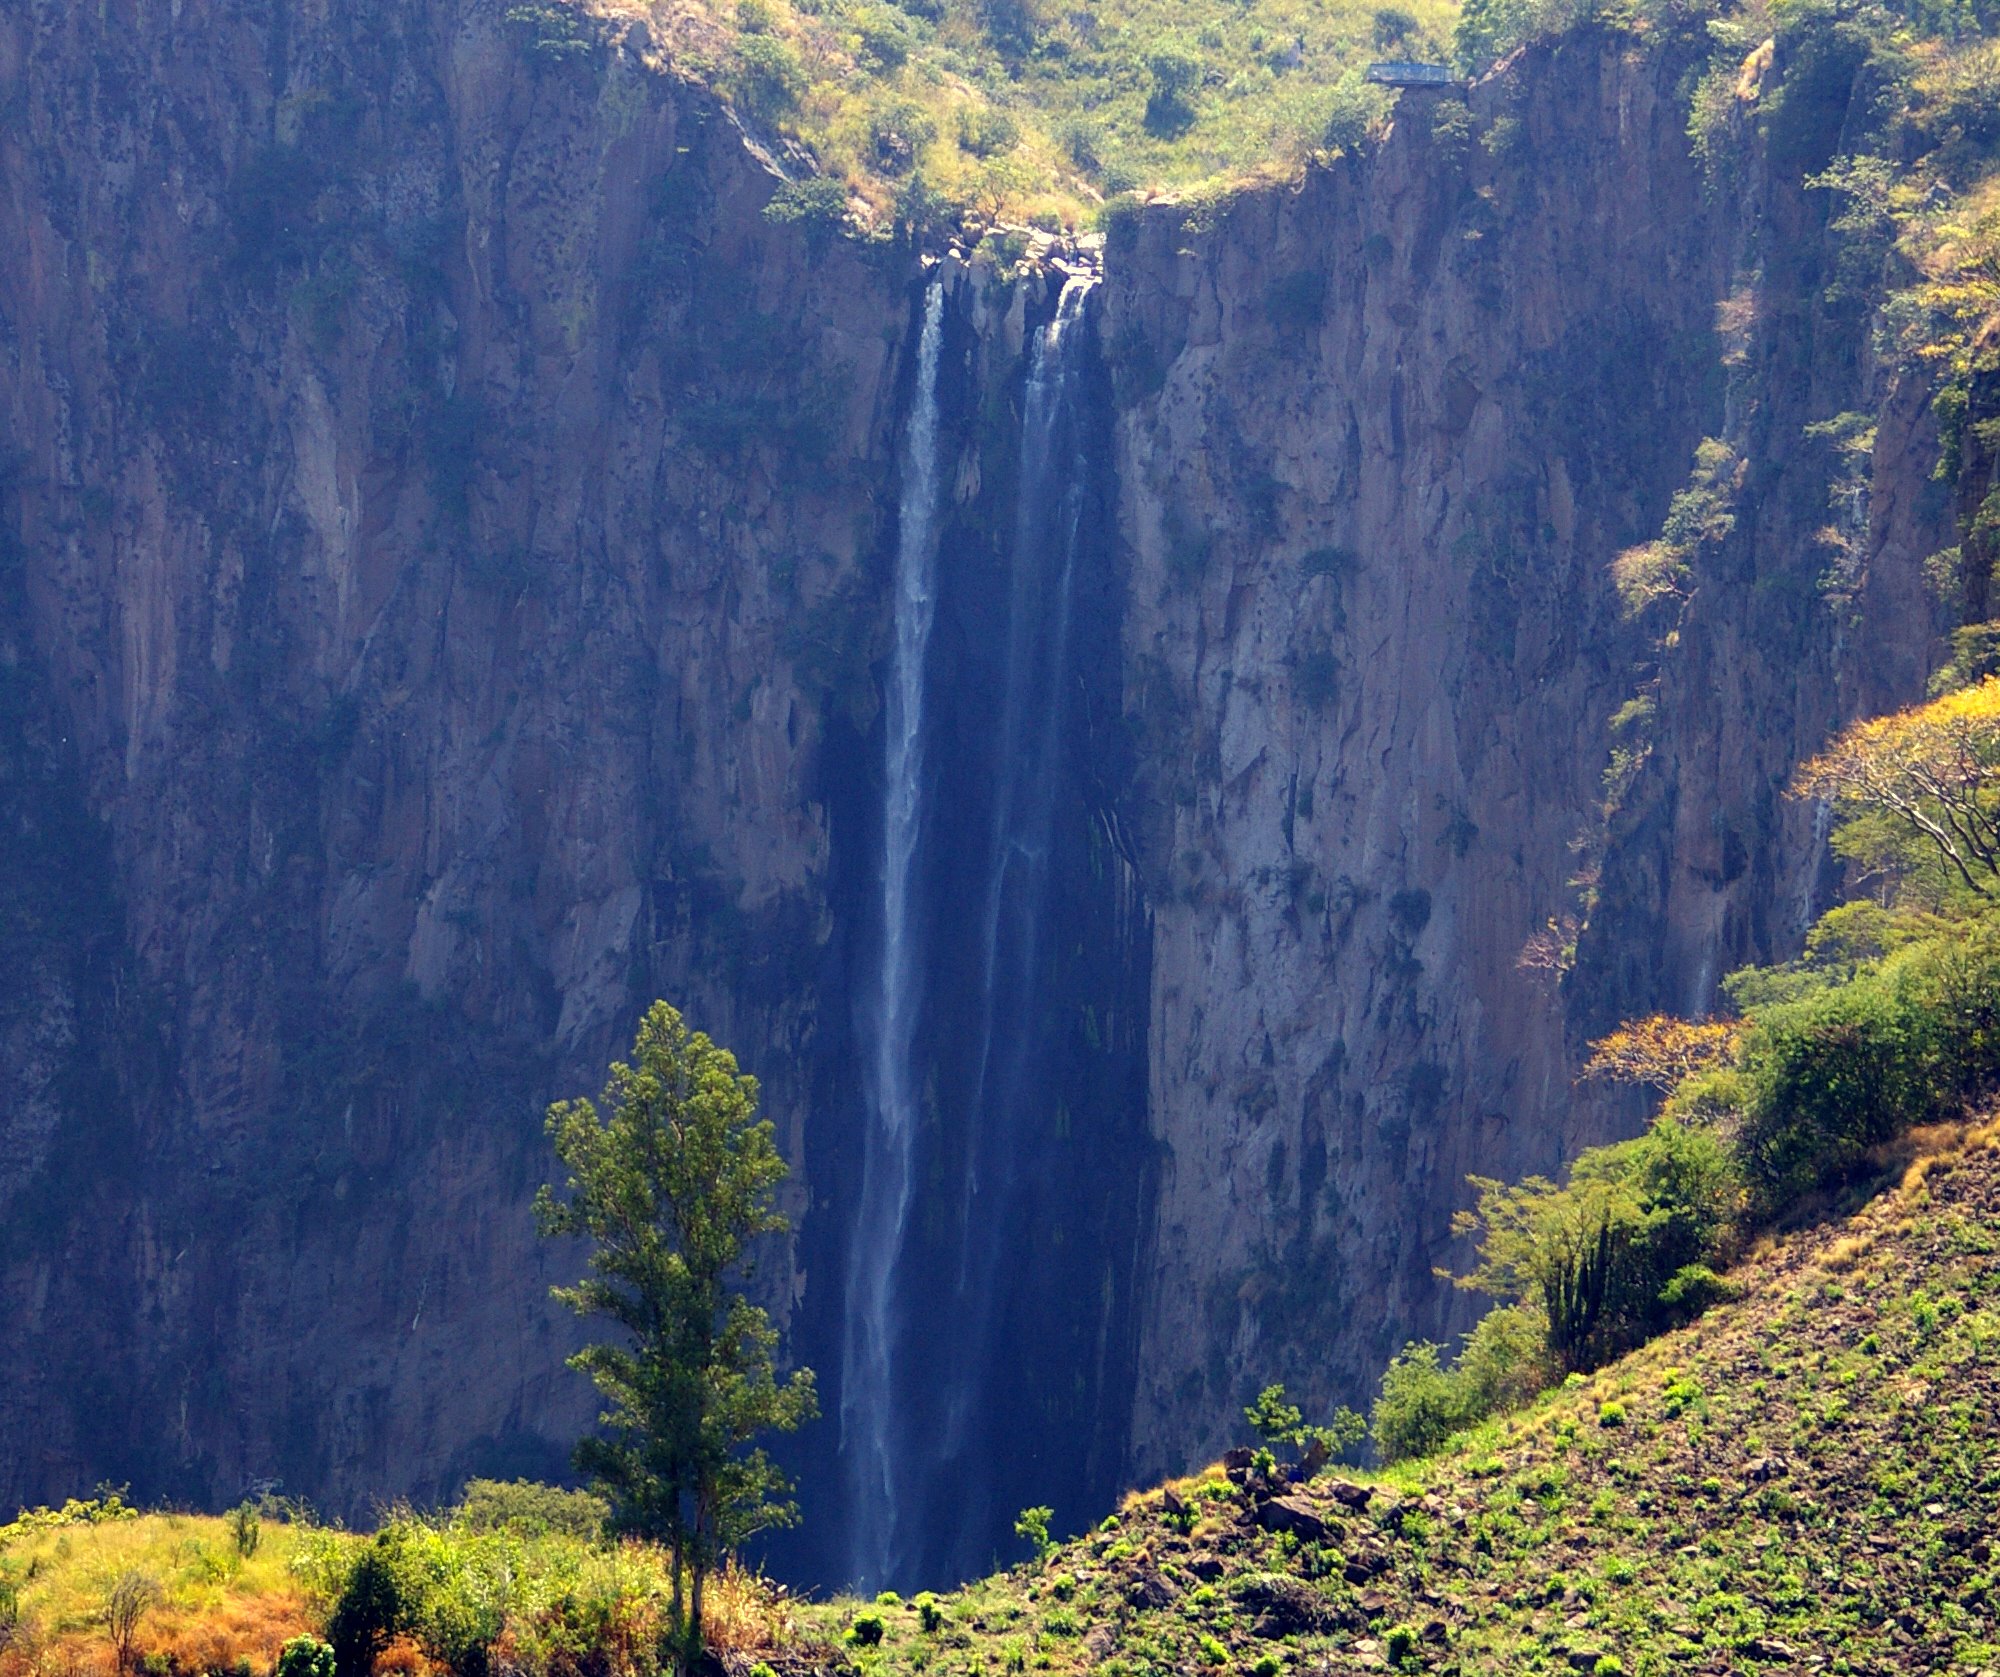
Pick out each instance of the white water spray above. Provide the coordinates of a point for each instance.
(867, 1387)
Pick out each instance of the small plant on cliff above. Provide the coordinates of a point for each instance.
(1278, 1422)
(670, 1185)
(1033, 1526)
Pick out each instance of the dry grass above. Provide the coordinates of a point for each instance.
(217, 1608)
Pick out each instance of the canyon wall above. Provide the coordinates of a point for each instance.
(446, 541)
(1382, 434)
(434, 502)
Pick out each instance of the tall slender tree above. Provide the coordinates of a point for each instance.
(670, 1184)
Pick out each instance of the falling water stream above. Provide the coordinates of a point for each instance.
(867, 1403)
(954, 1139)
(1048, 512)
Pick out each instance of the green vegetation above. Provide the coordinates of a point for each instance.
(1886, 1024)
(670, 1185)
(1806, 1479)
(940, 110)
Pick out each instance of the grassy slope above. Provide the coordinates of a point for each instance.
(1806, 1480)
(1028, 107)
(216, 1607)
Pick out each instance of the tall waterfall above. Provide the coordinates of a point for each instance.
(1026, 762)
(867, 1388)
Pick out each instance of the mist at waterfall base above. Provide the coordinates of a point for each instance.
(978, 1146)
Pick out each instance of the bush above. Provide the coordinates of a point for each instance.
(867, 1629)
(246, 1529)
(986, 131)
(816, 205)
(1505, 1362)
(528, 1509)
(304, 1656)
(131, 1597)
(1033, 1525)
(930, 1616)
(1598, 1252)
(1176, 74)
(1831, 1075)
(767, 77)
(1419, 1406)
(370, 1611)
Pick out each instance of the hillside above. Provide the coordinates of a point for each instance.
(1805, 1480)
(1023, 107)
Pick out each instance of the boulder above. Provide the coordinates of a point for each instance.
(1284, 1513)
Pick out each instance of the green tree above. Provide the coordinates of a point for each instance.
(1033, 1525)
(1277, 1420)
(1596, 1252)
(670, 1185)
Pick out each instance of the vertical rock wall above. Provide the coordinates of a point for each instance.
(435, 503)
(443, 553)
(1382, 435)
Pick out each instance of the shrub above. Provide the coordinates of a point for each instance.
(1401, 1642)
(245, 1528)
(371, 1609)
(986, 131)
(767, 77)
(304, 1656)
(529, 1510)
(816, 205)
(1505, 1362)
(1176, 74)
(554, 34)
(1354, 110)
(131, 1597)
(1829, 1076)
(930, 1616)
(1033, 1525)
(1598, 1252)
(867, 1629)
(1611, 1414)
(1419, 1405)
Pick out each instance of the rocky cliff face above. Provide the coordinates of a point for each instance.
(1424, 808)
(431, 486)
(446, 545)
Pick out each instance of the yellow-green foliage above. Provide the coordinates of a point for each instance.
(497, 1583)
(214, 1606)
(1039, 111)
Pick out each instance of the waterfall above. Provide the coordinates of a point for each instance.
(867, 1390)
(1027, 771)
